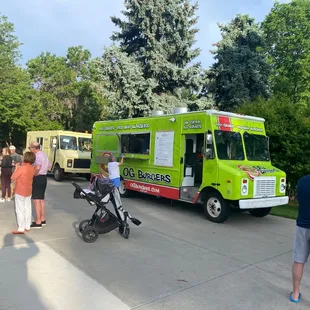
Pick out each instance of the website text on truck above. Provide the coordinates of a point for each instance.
(215, 158)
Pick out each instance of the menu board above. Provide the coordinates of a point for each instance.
(164, 148)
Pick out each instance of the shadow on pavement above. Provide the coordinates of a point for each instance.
(75, 226)
(17, 291)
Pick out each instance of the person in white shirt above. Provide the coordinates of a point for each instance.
(113, 169)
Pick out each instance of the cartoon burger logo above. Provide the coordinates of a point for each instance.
(250, 171)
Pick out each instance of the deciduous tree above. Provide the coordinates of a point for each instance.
(287, 29)
(288, 127)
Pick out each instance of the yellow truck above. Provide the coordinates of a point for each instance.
(68, 152)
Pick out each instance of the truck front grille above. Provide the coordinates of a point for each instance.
(264, 187)
(81, 163)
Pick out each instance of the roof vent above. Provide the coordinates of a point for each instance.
(157, 113)
(180, 110)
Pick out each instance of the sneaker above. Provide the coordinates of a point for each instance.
(2, 200)
(34, 225)
(8, 199)
(43, 223)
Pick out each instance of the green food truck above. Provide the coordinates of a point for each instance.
(216, 158)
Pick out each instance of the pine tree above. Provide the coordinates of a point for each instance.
(240, 73)
(160, 34)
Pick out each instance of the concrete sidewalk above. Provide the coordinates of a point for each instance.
(174, 260)
(33, 276)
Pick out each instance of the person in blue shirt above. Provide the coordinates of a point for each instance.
(302, 236)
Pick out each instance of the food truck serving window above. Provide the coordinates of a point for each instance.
(229, 145)
(136, 143)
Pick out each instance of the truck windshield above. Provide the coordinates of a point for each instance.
(256, 147)
(84, 144)
(68, 143)
(228, 145)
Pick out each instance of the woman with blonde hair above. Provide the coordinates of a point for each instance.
(6, 172)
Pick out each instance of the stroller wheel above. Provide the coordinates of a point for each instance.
(126, 233)
(121, 230)
(90, 234)
(83, 225)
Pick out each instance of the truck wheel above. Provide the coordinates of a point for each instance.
(123, 191)
(216, 208)
(260, 212)
(58, 174)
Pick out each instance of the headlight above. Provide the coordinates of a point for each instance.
(69, 163)
(244, 187)
(282, 185)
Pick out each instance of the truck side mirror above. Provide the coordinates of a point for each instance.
(208, 152)
(209, 138)
(54, 143)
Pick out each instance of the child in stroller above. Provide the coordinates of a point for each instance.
(100, 193)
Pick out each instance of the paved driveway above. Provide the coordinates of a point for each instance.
(175, 260)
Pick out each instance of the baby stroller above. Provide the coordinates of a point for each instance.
(103, 220)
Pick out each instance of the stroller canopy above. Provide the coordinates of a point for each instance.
(103, 186)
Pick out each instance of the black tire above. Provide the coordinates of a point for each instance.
(87, 176)
(124, 192)
(126, 233)
(90, 234)
(58, 174)
(83, 225)
(121, 230)
(260, 212)
(216, 208)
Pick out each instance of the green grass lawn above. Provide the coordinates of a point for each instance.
(289, 211)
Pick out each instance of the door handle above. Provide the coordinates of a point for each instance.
(181, 160)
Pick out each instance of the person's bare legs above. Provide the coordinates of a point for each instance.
(12, 190)
(297, 272)
(37, 206)
(42, 208)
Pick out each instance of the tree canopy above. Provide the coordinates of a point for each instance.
(240, 73)
(159, 36)
(286, 29)
(20, 105)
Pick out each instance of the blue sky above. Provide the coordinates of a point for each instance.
(54, 25)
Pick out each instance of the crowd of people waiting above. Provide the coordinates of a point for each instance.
(23, 178)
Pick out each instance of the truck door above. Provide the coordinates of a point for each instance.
(191, 170)
(189, 160)
(210, 167)
(52, 149)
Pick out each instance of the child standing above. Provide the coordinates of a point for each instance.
(113, 169)
(23, 176)
(115, 178)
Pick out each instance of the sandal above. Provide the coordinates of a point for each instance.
(295, 300)
(16, 232)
